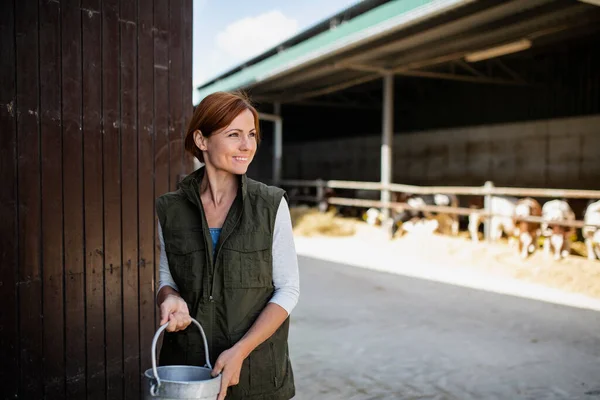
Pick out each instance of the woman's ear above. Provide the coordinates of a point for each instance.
(200, 140)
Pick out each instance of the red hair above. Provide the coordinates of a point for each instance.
(216, 111)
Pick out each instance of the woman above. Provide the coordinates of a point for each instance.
(228, 259)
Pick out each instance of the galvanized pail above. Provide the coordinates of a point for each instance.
(181, 381)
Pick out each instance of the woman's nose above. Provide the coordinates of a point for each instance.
(244, 143)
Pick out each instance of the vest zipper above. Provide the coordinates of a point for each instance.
(216, 255)
(211, 299)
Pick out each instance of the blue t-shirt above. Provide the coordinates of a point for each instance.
(214, 234)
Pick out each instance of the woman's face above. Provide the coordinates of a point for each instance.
(232, 148)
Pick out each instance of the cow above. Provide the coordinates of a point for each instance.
(414, 215)
(591, 230)
(323, 204)
(557, 238)
(352, 211)
(373, 216)
(525, 232)
(503, 210)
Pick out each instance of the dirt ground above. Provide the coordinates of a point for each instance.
(574, 274)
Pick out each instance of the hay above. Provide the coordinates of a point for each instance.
(310, 222)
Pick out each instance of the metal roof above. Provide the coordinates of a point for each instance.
(406, 37)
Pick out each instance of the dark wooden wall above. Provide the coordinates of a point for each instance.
(94, 99)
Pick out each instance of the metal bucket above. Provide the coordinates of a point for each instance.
(181, 381)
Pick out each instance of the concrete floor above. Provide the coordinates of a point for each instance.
(362, 334)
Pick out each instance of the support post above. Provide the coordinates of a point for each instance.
(487, 204)
(277, 145)
(387, 139)
(321, 201)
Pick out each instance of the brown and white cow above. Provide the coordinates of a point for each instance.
(557, 238)
(591, 230)
(527, 233)
(503, 208)
(416, 216)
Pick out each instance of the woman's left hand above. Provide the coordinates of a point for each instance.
(229, 364)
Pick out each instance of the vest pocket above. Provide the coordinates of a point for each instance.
(261, 362)
(248, 262)
(185, 252)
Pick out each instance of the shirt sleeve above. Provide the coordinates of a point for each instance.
(164, 274)
(286, 278)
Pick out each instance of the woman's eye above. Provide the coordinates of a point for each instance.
(252, 134)
(233, 134)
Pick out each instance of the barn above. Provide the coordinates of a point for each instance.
(448, 92)
(93, 105)
(94, 97)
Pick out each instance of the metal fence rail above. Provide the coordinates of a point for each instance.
(488, 190)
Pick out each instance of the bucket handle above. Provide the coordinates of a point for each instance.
(156, 385)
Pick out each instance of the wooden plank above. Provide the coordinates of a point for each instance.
(29, 198)
(175, 90)
(188, 108)
(161, 110)
(91, 19)
(113, 272)
(73, 200)
(129, 199)
(52, 206)
(9, 317)
(146, 180)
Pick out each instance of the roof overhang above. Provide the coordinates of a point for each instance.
(408, 37)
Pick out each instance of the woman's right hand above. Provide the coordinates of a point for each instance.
(174, 310)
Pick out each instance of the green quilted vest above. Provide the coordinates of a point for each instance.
(226, 291)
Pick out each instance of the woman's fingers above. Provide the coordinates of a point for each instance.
(174, 310)
(183, 320)
(234, 380)
(217, 368)
(178, 321)
(227, 379)
(173, 322)
(224, 385)
(165, 312)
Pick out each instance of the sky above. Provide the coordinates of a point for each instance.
(229, 32)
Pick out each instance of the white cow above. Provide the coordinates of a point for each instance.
(591, 232)
(557, 237)
(503, 207)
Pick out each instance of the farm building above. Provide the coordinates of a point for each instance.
(93, 107)
(452, 92)
(94, 96)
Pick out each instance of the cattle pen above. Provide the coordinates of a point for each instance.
(487, 191)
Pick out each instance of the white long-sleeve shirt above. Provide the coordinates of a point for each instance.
(286, 278)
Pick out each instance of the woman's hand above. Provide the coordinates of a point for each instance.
(174, 310)
(229, 364)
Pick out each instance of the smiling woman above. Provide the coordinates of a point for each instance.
(220, 110)
(228, 258)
